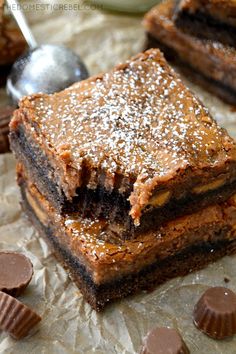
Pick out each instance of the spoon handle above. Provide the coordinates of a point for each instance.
(14, 6)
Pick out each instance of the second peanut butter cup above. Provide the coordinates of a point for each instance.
(16, 272)
(215, 313)
(164, 340)
(16, 318)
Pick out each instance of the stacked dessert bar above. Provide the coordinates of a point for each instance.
(200, 36)
(128, 178)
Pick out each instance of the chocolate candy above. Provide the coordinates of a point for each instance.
(5, 115)
(215, 313)
(16, 318)
(16, 272)
(164, 340)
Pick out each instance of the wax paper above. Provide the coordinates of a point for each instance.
(69, 325)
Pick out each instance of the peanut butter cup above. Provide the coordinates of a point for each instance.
(164, 340)
(16, 272)
(215, 313)
(16, 318)
(5, 116)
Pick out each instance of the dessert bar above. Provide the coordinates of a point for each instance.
(212, 19)
(212, 63)
(12, 45)
(106, 271)
(133, 146)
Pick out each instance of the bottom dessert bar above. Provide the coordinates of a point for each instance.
(208, 63)
(105, 272)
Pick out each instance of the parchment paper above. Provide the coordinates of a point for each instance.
(69, 325)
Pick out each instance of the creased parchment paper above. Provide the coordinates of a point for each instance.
(69, 325)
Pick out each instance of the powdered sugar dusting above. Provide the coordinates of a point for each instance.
(137, 120)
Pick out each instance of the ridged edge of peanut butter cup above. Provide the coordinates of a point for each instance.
(215, 313)
(16, 318)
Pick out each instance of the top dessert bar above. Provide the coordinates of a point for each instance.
(134, 145)
(213, 19)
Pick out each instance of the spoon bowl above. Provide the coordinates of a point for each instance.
(46, 68)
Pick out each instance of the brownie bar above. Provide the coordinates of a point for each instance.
(106, 272)
(215, 20)
(134, 145)
(213, 64)
(12, 45)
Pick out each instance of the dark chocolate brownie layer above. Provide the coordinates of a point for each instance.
(98, 296)
(109, 206)
(202, 24)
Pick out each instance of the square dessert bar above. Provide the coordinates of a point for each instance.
(133, 146)
(212, 63)
(106, 271)
(12, 44)
(212, 19)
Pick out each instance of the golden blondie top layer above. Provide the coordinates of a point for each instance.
(136, 129)
(137, 120)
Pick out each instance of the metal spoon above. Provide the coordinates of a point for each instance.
(43, 68)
